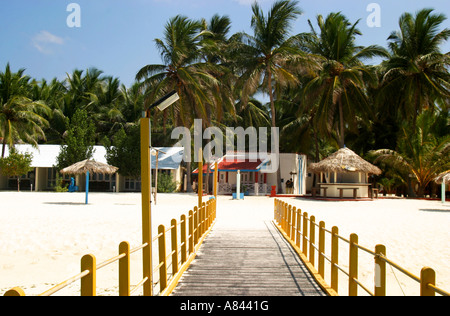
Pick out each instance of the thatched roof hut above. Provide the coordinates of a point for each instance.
(344, 161)
(89, 165)
(443, 178)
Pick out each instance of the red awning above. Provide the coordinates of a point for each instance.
(234, 165)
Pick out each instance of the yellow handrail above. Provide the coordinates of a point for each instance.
(202, 220)
(293, 224)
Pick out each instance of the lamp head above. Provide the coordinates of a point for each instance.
(165, 101)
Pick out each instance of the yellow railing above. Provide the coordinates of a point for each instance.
(186, 237)
(301, 232)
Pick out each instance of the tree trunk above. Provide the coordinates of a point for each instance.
(188, 178)
(274, 124)
(3, 147)
(341, 125)
(18, 183)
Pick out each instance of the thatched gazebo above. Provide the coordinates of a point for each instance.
(344, 174)
(89, 166)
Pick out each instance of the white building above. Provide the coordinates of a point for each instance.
(43, 177)
(257, 178)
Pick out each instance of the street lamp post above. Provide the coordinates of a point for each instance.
(146, 186)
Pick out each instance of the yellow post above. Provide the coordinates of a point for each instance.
(162, 258)
(196, 231)
(293, 223)
(322, 249)
(289, 219)
(299, 227)
(353, 266)
(305, 234)
(427, 276)
(17, 291)
(191, 232)
(312, 240)
(146, 207)
(174, 241)
(380, 271)
(216, 178)
(183, 239)
(88, 283)
(334, 258)
(200, 178)
(124, 269)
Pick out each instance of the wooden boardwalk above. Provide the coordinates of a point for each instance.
(256, 262)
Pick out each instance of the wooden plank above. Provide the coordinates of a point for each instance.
(247, 263)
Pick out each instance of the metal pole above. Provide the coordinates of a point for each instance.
(200, 178)
(87, 186)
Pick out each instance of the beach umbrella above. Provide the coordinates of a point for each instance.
(443, 179)
(89, 166)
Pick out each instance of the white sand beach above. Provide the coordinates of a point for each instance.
(44, 235)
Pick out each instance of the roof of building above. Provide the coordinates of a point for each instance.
(44, 156)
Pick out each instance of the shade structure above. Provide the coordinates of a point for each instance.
(443, 178)
(344, 161)
(90, 166)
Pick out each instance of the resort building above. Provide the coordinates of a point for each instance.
(256, 175)
(43, 176)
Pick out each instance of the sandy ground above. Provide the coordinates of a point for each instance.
(44, 235)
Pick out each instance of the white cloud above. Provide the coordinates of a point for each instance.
(44, 42)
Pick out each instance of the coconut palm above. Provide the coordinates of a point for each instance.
(424, 151)
(182, 71)
(337, 91)
(214, 49)
(417, 74)
(268, 58)
(21, 118)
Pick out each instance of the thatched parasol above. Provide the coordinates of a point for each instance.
(91, 166)
(443, 178)
(344, 161)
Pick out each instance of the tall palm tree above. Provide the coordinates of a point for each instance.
(337, 91)
(416, 75)
(21, 118)
(214, 49)
(183, 71)
(269, 59)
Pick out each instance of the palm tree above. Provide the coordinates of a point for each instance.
(214, 49)
(337, 91)
(416, 75)
(424, 150)
(269, 59)
(21, 118)
(183, 71)
(83, 89)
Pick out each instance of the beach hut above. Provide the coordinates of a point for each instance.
(344, 174)
(443, 179)
(89, 166)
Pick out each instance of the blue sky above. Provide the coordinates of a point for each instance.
(117, 36)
